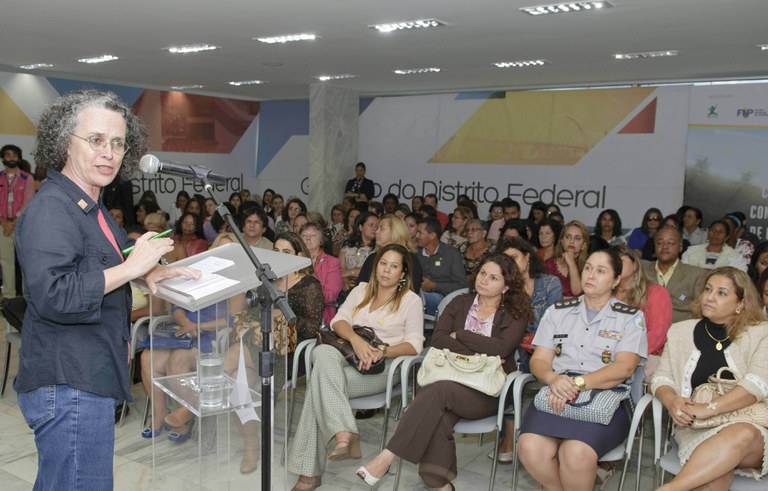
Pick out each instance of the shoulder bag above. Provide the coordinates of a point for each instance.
(480, 372)
(327, 336)
(717, 386)
(591, 405)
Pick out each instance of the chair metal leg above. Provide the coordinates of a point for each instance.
(384, 432)
(143, 422)
(131, 370)
(640, 455)
(495, 459)
(396, 485)
(288, 428)
(516, 463)
(5, 370)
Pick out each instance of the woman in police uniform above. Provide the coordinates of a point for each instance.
(596, 334)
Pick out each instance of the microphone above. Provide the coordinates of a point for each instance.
(149, 164)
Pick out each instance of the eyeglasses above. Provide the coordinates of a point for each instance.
(98, 142)
(654, 219)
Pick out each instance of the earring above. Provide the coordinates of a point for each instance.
(400, 283)
(738, 311)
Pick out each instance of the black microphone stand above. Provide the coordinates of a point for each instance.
(268, 296)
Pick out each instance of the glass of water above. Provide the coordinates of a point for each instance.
(210, 378)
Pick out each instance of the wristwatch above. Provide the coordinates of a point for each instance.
(580, 382)
(383, 349)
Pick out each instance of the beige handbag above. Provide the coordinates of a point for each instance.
(480, 372)
(717, 386)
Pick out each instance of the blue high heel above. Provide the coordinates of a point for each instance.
(177, 437)
(148, 433)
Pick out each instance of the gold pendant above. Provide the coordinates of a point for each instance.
(719, 346)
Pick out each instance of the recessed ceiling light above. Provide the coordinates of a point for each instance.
(646, 54)
(763, 47)
(191, 48)
(247, 82)
(414, 71)
(272, 64)
(325, 78)
(35, 66)
(560, 8)
(407, 24)
(520, 64)
(287, 38)
(98, 59)
(187, 87)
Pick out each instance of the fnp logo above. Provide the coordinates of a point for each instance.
(745, 112)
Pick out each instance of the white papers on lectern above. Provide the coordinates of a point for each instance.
(207, 284)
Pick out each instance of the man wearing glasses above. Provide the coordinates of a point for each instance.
(16, 191)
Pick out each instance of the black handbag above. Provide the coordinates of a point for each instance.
(327, 336)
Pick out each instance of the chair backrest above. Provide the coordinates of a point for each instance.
(447, 299)
(638, 380)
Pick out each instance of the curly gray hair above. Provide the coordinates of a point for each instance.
(60, 119)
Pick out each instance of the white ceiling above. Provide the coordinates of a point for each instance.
(716, 39)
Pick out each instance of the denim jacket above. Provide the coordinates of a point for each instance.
(73, 333)
(546, 291)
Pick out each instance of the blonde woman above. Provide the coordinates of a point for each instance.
(570, 255)
(653, 300)
(456, 234)
(393, 230)
(728, 329)
(395, 313)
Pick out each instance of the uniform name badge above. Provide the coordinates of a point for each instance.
(558, 349)
(437, 263)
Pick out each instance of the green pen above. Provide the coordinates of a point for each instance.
(161, 234)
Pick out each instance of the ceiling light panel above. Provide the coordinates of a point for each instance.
(646, 54)
(98, 59)
(565, 7)
(520, 64)
(36, 66)
(288, 38)
(191, 48)
(343, 76)
(407, 24)
(187, 87)
(763, 47)
(247, 82)
(415, 71)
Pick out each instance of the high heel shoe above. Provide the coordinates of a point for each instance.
(177, 437)
(347, 449)
(148, 433)
(369, 478)
(313, 481)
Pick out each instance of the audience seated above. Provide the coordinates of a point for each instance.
(639, 236)
(608, 227)
(728, 329)
(489, 320)
(305, 297)
(692, 220)
(156, 222)
(253, 222)
(441, 264)
(189, 233)
(394, 312)
(477, 245)
(292, 208)
(431, 200)
(715, 252)
(456, 234)
(742, 246)
(327, 268)
(570, 254)
(562, 453)
(759, 262)
(652, 299)
(549, 232)
(392, 230)
(495, 221)
(682, 281)
(358, 245)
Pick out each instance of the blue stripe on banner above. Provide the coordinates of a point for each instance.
(128, 94)
(278, 121)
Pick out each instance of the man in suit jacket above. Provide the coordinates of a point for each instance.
(360, 186)
(441, 265)
(682, 281)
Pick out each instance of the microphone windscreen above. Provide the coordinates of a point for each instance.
(149, 164)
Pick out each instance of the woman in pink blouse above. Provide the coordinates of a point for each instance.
(189, 233)
(327, 268)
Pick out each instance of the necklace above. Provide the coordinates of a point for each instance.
(718, 342)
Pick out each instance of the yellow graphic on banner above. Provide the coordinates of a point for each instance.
(14, 121)
(539, 128)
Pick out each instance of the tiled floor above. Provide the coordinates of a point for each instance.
(177, 466)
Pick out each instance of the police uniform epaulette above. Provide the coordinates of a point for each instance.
(564, 304)
(624, 308)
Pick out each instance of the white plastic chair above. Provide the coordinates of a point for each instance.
(447, 299)
(470, 426)
(623, 451)
(139, 332)
(669, 462)
(382, 399)
(12, 338)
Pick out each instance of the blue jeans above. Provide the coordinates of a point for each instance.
(74, 435)
(431, 301)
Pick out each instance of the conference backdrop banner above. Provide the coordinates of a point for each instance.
(726, 165)
(584, 150)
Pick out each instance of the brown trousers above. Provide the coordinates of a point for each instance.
(424, 435)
